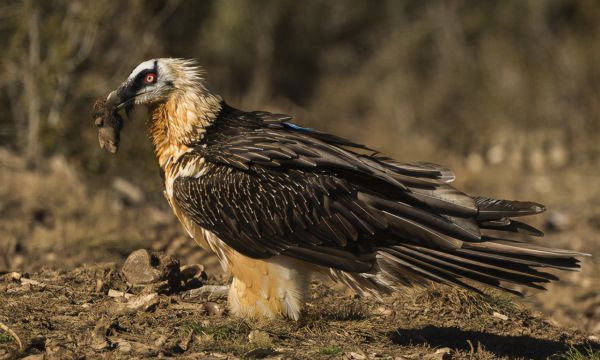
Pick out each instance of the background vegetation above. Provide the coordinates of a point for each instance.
(507, 81)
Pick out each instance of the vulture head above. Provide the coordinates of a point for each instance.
(155, 81)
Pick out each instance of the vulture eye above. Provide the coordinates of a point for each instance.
(150, 79)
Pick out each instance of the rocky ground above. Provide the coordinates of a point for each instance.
(151, 306)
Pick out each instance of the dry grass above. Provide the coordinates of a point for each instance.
(411, 325)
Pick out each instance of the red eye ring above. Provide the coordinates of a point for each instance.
(150, 78)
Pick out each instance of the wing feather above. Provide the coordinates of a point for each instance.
(270, 187)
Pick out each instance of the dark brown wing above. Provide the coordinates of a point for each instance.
(269, 188)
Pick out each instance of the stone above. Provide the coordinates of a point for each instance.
(213, 309)
(143, 268)
(143, 302)
(500, 316)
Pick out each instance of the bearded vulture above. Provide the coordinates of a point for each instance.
(279, 203)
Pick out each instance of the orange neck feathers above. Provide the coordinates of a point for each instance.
(181, 121)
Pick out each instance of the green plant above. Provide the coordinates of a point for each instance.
(331, 350)
(576, 354)
(5, 338)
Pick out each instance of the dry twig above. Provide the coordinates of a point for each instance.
(13, 334)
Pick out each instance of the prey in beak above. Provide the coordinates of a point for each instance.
(109, 123)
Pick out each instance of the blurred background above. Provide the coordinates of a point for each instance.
(505, 93)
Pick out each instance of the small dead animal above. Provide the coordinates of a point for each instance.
(109, 124)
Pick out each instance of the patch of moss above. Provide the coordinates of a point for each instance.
(332, 350)
(217, 332)
(5, 338)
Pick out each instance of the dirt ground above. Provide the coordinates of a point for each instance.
(71, 314)
(63, 243)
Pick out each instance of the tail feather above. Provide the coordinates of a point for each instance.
(494, 209)
(486, 267)
(510, 225)
(394, 265)
(492, 261)
(512, 247)
(516, 262)
(430, 269)
(444, 236)
(508, 274)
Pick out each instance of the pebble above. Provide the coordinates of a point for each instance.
(38, 342)
(144, 302)
(139, 269)
(213, 309)
(384, 311)
(14, 276)
(355, 356)
(117, 294)
(500, 316)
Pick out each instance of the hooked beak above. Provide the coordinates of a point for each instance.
(113, 101)
(119, 99)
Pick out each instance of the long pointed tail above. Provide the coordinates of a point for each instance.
(492, 261)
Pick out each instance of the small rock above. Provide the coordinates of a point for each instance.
(383, 311)
(500, 316)
(14, 276)
(143, 268)
(38, 342)
(144, 302)
(117, 294)
(356, 356)
(213, 309)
